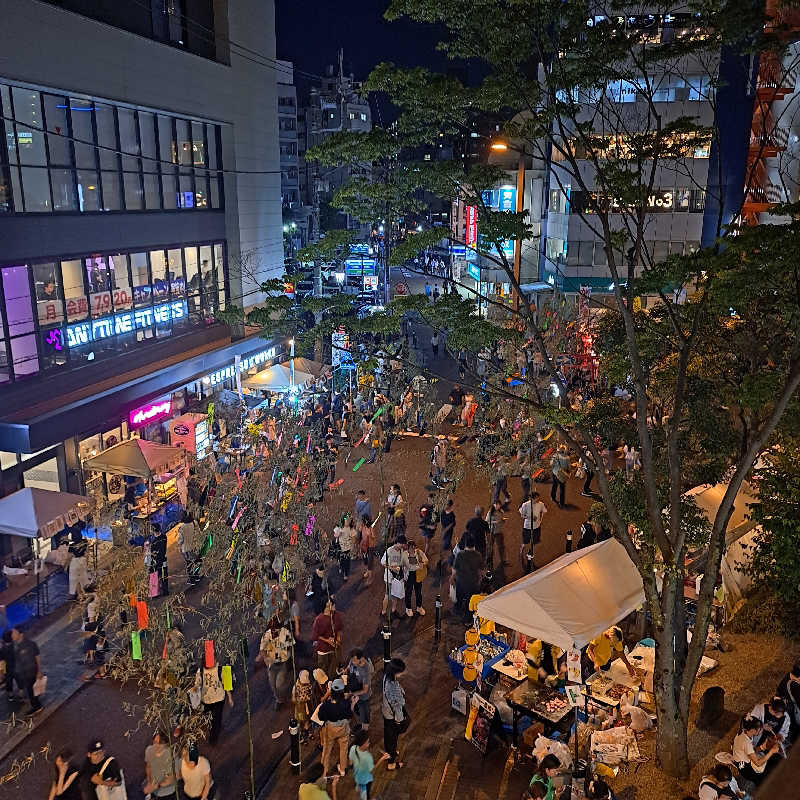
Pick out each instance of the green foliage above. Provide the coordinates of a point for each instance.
(335, 244)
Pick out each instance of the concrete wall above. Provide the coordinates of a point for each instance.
(47, 47)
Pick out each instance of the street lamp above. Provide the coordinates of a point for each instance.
(499, 145)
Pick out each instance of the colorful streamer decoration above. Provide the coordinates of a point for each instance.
(358, 464)
(310, 525)
(136, 646)
(227, 678)
(210, 660)
(142, 616)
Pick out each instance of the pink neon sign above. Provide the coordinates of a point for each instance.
(151, 413)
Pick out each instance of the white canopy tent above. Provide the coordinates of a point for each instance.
(35, 513)
(572, 599)
(138, 457)
(277, 379)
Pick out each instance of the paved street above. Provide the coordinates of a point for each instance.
(97, 707)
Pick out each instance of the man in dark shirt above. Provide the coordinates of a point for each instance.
(467, 568)
(27, 666)
(101, 770)
(478, 529)
(158, 550)
(326, 634)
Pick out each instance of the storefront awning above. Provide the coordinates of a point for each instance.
(40, 512)
(138, 457)
(572, 599)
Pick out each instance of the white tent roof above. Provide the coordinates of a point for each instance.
(40, 512)
(277, 378)
(138, 457)
(572, 599)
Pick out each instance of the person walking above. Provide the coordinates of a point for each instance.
(209, 682)
(104, 772)
(531, 511)
(359, 674)
(435, 292)
(301, 699)
(427, 522)
(435, 343)
(159, 767)
(467, 568)
(275, 652)
(448, 522)
(428, 291)
(27, 667)
(587, 464)
(496, 522)
(195, 771)
(439, 462)
(326, 634)
(345, 535)
(559, 466)
(392, 562)
(363, 764)
(362, 506)
(335, 714)
(65, 785)
(315, 785)
(78, 571)
(393, 707)
(415, 567)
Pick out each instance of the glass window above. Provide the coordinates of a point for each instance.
(25, 355)
(121, 293)
(134, 195)
(19, 316)
(28, 113)
(99, 281)
(63, 183)
(5, 188)
(111, 191)
(37, 189)
(106, 136)
(88, 192)
(128, 139)
(169, 188)
(81, 113)
(140, 279)
(676, 248)
(193, 277)
(682, 199)
(177, 283)
(219, 268)
(660, 251)
(186, 197)
(198, 144)
(147, 137)
(16, 189)
(55, 113)
(53, 348)
(697, 201)
(158, 264)
(184, 139)
(5, 374)
(201, 189)
(74, 292)
(600, 257)
(214, 194)
(208, 288)
(212, 132)
(166, 141)
(48, 294)
(5, 107)
(152, 191)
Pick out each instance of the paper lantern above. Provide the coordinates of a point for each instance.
(210, 661)
(470, 674)
(227, 678)
(471, 637)
(470, 657)
(142, 617)
(136, 646)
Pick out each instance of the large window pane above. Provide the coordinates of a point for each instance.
(72, 273)
(81, 112)
(169, 190)
(128, 138)
(219, 265)
(198, 145)
(192, 278)
(106, 136)
(88, 191)
(25, 355)
(99, 285)
(16, 189)
(166, 141)
(158, 264)
(186, 198)
(5, 107)
(209, 287)
(152, 191)
(177, 284)
(121, 292)
(185, 155)
(214, 194)
(55, 112)
(140, 278)
(134, 196)
(212, 132)
(37, 189)
(201, 189)
(5, 371)
(111, 191)
(19, 304)
(30, 139)
(64, 197)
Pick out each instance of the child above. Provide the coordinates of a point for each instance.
(363, 763)
(301, 697)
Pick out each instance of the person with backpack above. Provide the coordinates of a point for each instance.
(208, 681)
(427, 522)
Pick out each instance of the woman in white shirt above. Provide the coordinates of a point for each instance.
(753, 766)
(196, 774)
(345, 535)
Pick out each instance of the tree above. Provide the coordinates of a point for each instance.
(710, 377)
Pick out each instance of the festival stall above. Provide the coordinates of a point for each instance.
(37, 515)
(567, 604)
(152, 474)
(278, 378)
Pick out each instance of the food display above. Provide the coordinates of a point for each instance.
(490, 649)
(599, 685)
(544, 701)
(617, 691)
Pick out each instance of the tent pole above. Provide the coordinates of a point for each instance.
(36, 570)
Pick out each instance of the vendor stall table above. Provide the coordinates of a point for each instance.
(510, 670)
(486, 646)
(530, 699)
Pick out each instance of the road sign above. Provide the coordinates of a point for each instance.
(400, 288)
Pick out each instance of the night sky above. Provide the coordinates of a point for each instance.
(310, 33)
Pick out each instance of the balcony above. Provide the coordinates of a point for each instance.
(759, 199)
(767, 143)
(774, 80)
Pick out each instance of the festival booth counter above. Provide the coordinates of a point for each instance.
(567, 604)
(37, 515)
(153, 475)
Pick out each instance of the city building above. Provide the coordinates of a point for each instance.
(334, 106)
(140, 196)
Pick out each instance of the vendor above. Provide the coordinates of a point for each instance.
(547, 663)
(602, 650)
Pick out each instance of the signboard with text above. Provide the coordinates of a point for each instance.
(471, 233)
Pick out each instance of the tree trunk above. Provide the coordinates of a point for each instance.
(672, 740)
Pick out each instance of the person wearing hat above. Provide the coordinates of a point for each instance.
(102, 770)
(560, 465)
(301, 699)
(335, 714)
(196, 774)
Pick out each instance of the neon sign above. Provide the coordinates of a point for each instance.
(145, 414)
